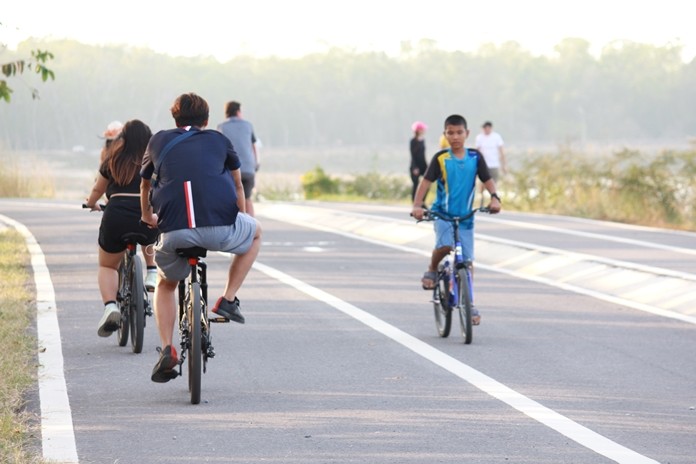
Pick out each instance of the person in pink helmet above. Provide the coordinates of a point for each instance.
(113, 130)
(418, 163)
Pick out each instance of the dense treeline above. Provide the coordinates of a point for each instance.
(631, 91)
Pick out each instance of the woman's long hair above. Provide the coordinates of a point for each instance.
(126, 152)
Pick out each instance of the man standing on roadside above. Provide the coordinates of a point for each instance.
(490, 144)
(241, 134)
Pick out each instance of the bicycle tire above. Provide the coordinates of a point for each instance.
(442, 308)
(464, 305)
(137, 306)
(124, 302)
(195, 357)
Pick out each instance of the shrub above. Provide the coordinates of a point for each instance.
(628, 186)
(379, 187)
(316, 183)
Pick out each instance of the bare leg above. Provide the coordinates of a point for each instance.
(438, 255)
(249, 207)
(165, 308)
(241, 264)
(107, 276)
(148, 254)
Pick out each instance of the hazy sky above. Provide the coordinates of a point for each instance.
(293, 28)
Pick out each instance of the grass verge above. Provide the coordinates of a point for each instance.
(17, 346)
(30, 181)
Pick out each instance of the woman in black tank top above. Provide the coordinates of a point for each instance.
(119, 179)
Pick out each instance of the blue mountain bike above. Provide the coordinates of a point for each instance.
(454, 285)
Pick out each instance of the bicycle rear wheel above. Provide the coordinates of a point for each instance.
(442, 308)
(195, 357)
(123, 301)
(137, 305)
(464, 305)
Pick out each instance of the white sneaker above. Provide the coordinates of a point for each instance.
(150, 281)
(110, 321)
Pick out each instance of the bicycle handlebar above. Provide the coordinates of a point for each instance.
(432, 215)
(100, 205)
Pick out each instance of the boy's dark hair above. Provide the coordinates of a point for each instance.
(456, 120)
(190, 109)
(487, 124)
(232, 108)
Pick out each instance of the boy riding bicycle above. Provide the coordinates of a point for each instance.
(455, 170)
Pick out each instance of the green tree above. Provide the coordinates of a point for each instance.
(36, 63)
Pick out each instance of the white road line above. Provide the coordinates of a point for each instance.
(57, 434)
(598, 222)
(45, 204)
(659, 271)
(592, 235)
(559, 230)
(562, 285)
(548, 417)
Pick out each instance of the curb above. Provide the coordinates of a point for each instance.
(656, 290)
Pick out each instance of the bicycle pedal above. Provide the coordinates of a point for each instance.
(219, 320)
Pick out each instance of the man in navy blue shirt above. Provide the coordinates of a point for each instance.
(197, 200)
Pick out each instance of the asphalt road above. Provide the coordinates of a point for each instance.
(302, 382)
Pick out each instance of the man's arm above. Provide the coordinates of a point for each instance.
(257, 161)
(146, 214)
(256, 157)
(431, 175)
(503, 161)
(418, 200)
(241, 199)
(495, 200)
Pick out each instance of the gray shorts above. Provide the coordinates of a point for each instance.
(234, 239)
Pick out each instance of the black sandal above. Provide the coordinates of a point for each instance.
(432, 277)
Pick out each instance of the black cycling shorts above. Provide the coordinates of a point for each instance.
(122, 216)
(248, 181)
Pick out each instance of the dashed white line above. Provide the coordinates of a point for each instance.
(550, 418)
(57, 434)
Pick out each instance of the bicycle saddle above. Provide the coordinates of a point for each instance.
(192, 252)
(133, 237)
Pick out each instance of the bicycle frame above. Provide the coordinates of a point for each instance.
(459, 261)
(198, 274)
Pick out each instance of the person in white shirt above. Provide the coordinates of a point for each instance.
(490, 144)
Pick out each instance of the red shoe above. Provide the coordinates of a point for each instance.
(164, 370)
(229, 309)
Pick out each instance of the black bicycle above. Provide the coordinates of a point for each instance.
(454, 283)
(194, 323)
(132, 297)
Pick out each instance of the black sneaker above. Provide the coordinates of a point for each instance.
(164, 370)
(229, 309)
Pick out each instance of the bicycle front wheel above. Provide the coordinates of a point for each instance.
(195, 357)
(442, 308)
(465, 305)
(123, 301)
(137, 305)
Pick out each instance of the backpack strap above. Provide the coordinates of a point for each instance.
(167, 148)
